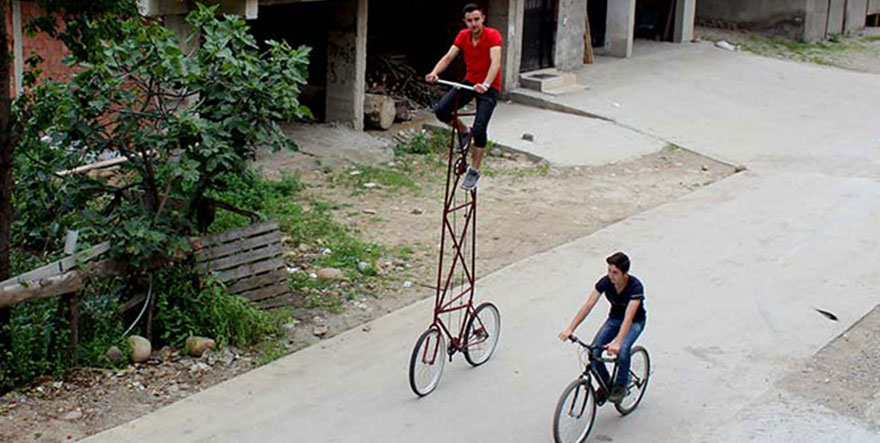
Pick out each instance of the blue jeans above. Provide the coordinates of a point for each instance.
(606, 334)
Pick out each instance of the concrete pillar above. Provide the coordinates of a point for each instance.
(685, 12)
(856, 13)
(619, 27)
(815, 19)
(346, 61)
(507, 17)
(834, 24)
(571, 25)
(183, 31)
(17, 47)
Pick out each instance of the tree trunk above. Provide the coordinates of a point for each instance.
(379, 111)
(6, 147)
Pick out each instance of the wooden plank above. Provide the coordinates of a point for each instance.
(237, 234)
(271, 251)
(220, 251)
(59, 267)
(132, 302)
(275, 302)
(245, 284)
(48, 287)
(588, 41)
(97, 165)
(250, 269)
(74, 326)
(265, 293)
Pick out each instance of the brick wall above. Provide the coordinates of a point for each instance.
(52, 51)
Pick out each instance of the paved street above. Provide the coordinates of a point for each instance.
(733, 272)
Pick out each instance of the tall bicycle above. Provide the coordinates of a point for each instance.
(457, 325)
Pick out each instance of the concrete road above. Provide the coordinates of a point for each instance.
(733, 273)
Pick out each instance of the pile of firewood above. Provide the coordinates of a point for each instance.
(391, 75)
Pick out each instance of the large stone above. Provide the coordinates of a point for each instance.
(196, 346)
(331, 274)
(140, 348)
(115, 355)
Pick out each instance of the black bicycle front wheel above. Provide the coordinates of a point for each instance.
(575, 412)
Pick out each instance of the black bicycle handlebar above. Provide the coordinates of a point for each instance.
(573, 338)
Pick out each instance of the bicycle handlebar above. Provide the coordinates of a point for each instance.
(573, 338)
(455, 85)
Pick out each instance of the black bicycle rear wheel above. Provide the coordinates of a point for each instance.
(639, 374)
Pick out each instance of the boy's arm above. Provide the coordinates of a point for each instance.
(631, 308)
(442, 64)
(581, 315)
(494, 67)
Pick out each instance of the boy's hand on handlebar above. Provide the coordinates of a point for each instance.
(565, 335)
(431, 78)
(613, 348)
(480, 88)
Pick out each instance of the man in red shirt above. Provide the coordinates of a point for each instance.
(481, 46)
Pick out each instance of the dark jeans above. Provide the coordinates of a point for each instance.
(606, 334)
(485, 106)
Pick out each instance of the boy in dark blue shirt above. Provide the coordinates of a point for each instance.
(625, 322)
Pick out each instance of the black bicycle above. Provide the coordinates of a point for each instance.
(576, 409)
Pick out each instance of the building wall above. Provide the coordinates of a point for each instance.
(807, 20)
(874, 7)
(784, 17)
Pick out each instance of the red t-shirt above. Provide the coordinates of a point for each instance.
(477, 57)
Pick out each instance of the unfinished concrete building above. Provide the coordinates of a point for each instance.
(806, 20)
(538, 35)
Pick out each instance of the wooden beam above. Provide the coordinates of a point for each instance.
(59, 267)
(48, 287)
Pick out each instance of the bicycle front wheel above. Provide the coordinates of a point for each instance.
(575, 412)
(639, 374)
(427, 362)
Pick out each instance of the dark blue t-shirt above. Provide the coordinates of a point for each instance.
(633, 291)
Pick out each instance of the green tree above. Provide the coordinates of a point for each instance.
(183, 120)
(86, 22)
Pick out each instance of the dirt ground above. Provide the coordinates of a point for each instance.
(858, 52)
(524, 208)
(843, 375)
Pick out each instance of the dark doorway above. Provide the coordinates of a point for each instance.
(299, 24)
(539, 34)
(655, 20)
(597, 11)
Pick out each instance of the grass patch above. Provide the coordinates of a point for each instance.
(405, 252)
(386, 178)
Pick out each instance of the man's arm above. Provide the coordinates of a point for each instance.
(581, 315)
(442, 64)
(631, 308)
(494, 67)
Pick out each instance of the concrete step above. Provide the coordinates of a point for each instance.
(547, 79)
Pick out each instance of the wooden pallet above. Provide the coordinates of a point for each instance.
(248, 261)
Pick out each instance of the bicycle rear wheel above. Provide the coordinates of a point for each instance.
(639, 374)
(427, 362)
(481, 335)
(575, 412)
